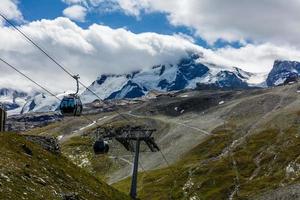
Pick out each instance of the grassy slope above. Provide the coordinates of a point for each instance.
(79, 150)
(44, 175)
(261, 161)
(261, 164)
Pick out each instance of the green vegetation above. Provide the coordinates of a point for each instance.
(219, 167)
(29, 172)
(66, 126)
(266, 160)
(79, 150)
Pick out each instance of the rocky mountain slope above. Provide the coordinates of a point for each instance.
(12, 99)
(186, 74)
(253, 154)
(282, 71)
(41, 103)
(189, 73)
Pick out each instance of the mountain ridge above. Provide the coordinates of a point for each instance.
(283, 70)
(189, 73)
(168, 77)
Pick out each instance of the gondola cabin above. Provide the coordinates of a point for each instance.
(101, 147)
(71, 105)
(3, 116)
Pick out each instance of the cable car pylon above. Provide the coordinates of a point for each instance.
(127, 137)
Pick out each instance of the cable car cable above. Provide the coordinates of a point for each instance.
(30, 79)
(56, 62)
(64, 69)
(36, 83)
(35, 44)
(52, 94)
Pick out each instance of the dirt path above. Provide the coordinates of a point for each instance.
(81, 130)
(180, 138)
(172, 121)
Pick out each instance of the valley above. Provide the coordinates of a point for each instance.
(149, 100)
(221, 144)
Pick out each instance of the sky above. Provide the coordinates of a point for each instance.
(92, 37)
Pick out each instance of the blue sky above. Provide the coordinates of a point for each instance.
(147, 22)
(152, 22)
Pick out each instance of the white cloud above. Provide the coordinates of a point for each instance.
(274, 21)
(86, 3)
(130, 7)
(252, 58)
(9, 9)
(101, 49)
(76, 12)
(89, 52)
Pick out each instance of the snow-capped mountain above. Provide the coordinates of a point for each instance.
(185, 75)
(19, 102)
(282, 71)
(188, 73)
(43, 103)
(40, 103)
(12, 99)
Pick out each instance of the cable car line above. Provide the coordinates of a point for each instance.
(35, 44)
(36, 83)
(64, 69)
(56, 62)
(103, 145)
(30, 79)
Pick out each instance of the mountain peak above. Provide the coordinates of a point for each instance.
(283, 70)
(167, 77)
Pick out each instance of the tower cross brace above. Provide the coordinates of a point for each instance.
(126, 137)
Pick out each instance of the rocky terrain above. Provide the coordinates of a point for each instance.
(12, 99)
(22, 122)
(220, 144)
(250, 151)
(283, 70)
(217, 141)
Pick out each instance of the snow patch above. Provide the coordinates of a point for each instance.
(280, 81)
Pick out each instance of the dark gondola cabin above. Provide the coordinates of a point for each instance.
(71, 105)
(100, 147)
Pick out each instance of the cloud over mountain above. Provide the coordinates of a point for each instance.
(101, 49)
(89, 52)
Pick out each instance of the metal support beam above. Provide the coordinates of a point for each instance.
(133, 189)
(126, 137)
(2, 118)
